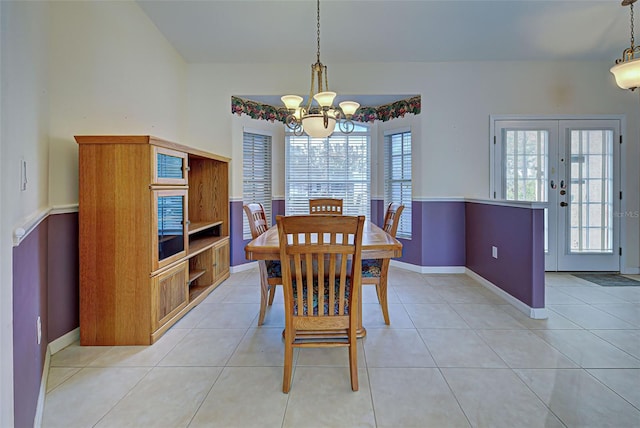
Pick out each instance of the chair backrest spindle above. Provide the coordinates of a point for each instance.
(392, 218)
(325, 206)
(257, 219)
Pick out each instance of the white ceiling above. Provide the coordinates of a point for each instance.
(266, 31)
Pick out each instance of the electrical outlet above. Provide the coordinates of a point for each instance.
(494, 252)
(39, 329)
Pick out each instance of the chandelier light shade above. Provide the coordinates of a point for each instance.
(627, 68)
(319, 125)
(349, 108)
(319, 120)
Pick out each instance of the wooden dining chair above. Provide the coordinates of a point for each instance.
(321, 294)
(270, 272)
(325, 206)
(375, 271)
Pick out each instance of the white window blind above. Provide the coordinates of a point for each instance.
(397, 177)
(334, 167)
(256, 167)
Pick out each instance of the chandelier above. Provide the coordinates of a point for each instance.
(319, 121)
(627, 68)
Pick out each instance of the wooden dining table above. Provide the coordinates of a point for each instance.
(376, 244)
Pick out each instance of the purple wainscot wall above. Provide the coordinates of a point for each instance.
(63, 300)
(518, 234)
(443, 233)
(236, 218)
(236, 214)
(45, 284)
(29, 302)
(438, 235)
(277, 208)
(377, 211)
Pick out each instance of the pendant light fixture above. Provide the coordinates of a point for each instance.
(627, 68)
(319, 121)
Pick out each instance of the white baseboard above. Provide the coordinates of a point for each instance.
(64, 341)
(243, 267)
(53, 347)
(444, 269)
(37, 420)
(427, 269)
(535, 313)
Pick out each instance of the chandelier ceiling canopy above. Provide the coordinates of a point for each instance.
(627, 68)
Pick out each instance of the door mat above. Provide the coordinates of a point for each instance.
(608, 279)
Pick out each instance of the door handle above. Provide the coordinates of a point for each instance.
(552, 184)
(563, 204)
(562, 186)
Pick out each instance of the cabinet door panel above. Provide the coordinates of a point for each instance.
(170, 291)
(169, 166)
(170, 227)
(221, 262)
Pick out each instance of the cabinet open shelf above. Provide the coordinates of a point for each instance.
(197, 290)
(199, 226)
(193, 275)
(197, 246)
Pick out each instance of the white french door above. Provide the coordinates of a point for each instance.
(574, 165)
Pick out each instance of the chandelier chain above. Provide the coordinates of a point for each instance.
(632, 37)
(320, 121)
(318, 19)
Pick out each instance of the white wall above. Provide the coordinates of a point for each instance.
(23, 135)
(6, 293)
(112, 72)
(71, 68)
(451, 154)
(25, 108)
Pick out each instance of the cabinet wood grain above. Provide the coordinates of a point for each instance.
(130, 293)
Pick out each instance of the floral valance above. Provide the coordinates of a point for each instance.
(257, 110)
(383, 113)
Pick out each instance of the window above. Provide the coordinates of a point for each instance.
(334, 167)
(256, 173)
(397, 177)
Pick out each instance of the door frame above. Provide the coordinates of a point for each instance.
(493, 137)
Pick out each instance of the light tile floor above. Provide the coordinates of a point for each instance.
(455, 355)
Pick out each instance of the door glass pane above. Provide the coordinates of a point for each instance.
(526, 160)
(170, 226)
(591, 191)
(526, 166)
(169, 166)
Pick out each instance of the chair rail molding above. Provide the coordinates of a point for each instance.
(31, 222)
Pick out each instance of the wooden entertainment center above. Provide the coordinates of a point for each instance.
(154, 235)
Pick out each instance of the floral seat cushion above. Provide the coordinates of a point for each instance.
(371, 268)
(273, 268)
(326, 297)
